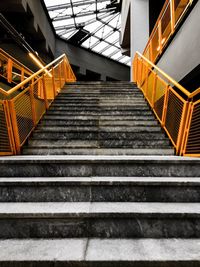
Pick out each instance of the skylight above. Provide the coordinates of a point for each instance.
(93, 24)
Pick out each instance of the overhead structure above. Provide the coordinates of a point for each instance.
(93, 24)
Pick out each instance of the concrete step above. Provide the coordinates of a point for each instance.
(103, 94)
(99, 219)
(99, 143)
(120, 166)
(99, 89)
(136, 112)
(100, 189)
(101, 108)
(107, 83)
(100, 118)
(95, 135)
(102, 103)
(75, 97)
(99, 133)
(129, 123)
(62, 122)
(42, 150)
(109, 129)
(100, 252)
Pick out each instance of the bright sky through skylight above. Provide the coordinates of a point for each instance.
(98, 20)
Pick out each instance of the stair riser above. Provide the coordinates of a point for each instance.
(102, 105)
(100, 113)
(96, 136)
(99, 193)
(96, 123)
(97, 118)
(101, 263)
(101, 226)
(79, 168)
(60, 100)
(100, 109)
(101, 129)
(97, 151)
(98, 99)
(100, 143)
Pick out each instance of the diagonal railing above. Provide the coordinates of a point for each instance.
(170, 17)
(22, 107)
(177, 110)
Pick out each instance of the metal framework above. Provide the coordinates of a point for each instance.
(30, 95)
(93, 24)
(175, 107)
(170, 17)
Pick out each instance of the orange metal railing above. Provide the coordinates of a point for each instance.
(177, 110)
(22, 107)
(11, 70)
(172, 13)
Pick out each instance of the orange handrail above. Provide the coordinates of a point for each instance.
(170, 79)
(33, 76)
(172, 104)
(11, 67)
(170, 16)
(22, 107)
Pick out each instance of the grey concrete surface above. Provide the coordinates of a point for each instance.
(102, 251)
(182, 55)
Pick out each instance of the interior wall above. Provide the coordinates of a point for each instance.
(89, 61)
(183, 53)
(139, 25)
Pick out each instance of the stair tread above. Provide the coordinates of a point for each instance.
(180, 181)
(96, 209)
(109, 129)
(37, 150)
(101, 250)
(99, 158)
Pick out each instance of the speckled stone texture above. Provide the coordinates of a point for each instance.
(99, 119)
(106, 190)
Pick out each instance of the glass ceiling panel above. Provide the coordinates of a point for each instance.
(93, 24)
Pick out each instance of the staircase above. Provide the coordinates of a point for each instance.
(98, 185)
(99, 118)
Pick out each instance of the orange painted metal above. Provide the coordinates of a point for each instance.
(176, 15)
(173, 106)
(23, 106)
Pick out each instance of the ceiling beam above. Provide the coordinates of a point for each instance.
(76, 4)
(83, 14)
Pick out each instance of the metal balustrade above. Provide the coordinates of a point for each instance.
(171, 14)
(176, 108)
(22, 107)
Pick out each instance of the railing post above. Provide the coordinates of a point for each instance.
(13, 116)
(45, 93)
(154, 89)
(9, 70)
(141, 71)
(136, 70)
(63, 70)
(66, 71)
(188, 120)
(146, 78)
(172, 14)
(181, 127)
(166, 98)
(9, 126)
(151, 50)
(160, 36)
(33, 102)
(53, 82)
(22, 74)
(59, 73)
